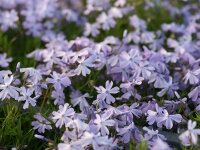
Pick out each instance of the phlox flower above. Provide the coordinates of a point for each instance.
(138, 23)
(59, 97)
(59, 80)
(32, 73)
(173, 106)
(69, 146)
(168, 120)
(64, 115)
(8, 19)
(147, 37)
(97, 142)
(192, 76)
(106, 21)
(105, 93)
(120, 3)
(4, 73)
(4, 62)
(127, 132)
(191, 135)
(168, 88)
(26, 96)
(135, 110)
(130, 59)
(78, 98)
(78, 125)
(158, 79)
(144, 69)
(41, 124)
(113, 111)
(153, 116)
(36, 86)
(194, 93)
(92, 29)
(84, 64)
(160, 145)
(152, 135)
(103, 121)
(7, 89)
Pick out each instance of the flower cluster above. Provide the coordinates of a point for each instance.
(38, 17)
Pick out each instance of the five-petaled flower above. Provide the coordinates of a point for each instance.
(105, 93)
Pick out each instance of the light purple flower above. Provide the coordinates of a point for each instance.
(97, 142)
(158, 79)
(92, 29)
(105, 93)
(83, 66)
(160, 145)
(59, 97)
(64, 115)
(191, 135)
(8, 19)
(79, 126)
(113, 111)
(106, 21)
(147, 37)
(127, 132)
(144, 69)
(139, 24)
(3, 74)
(191, 76)
(115, 12)
(167, 119)
(7, 89)
(26, 96)
(103, 121)
(194, 94)
(59, 80)
(4, 62)
(152, 135)
(69, 146)
(168, 88)
(134, 110)
(41, 124)
(153, 116)
(131, 84)
(78, 98)
(32, 73)
(130, 58)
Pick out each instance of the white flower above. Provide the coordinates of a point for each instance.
(8, 89)
(102, 122)
(191, 135)
(84, 64)
(64, 115)
(26, 96)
